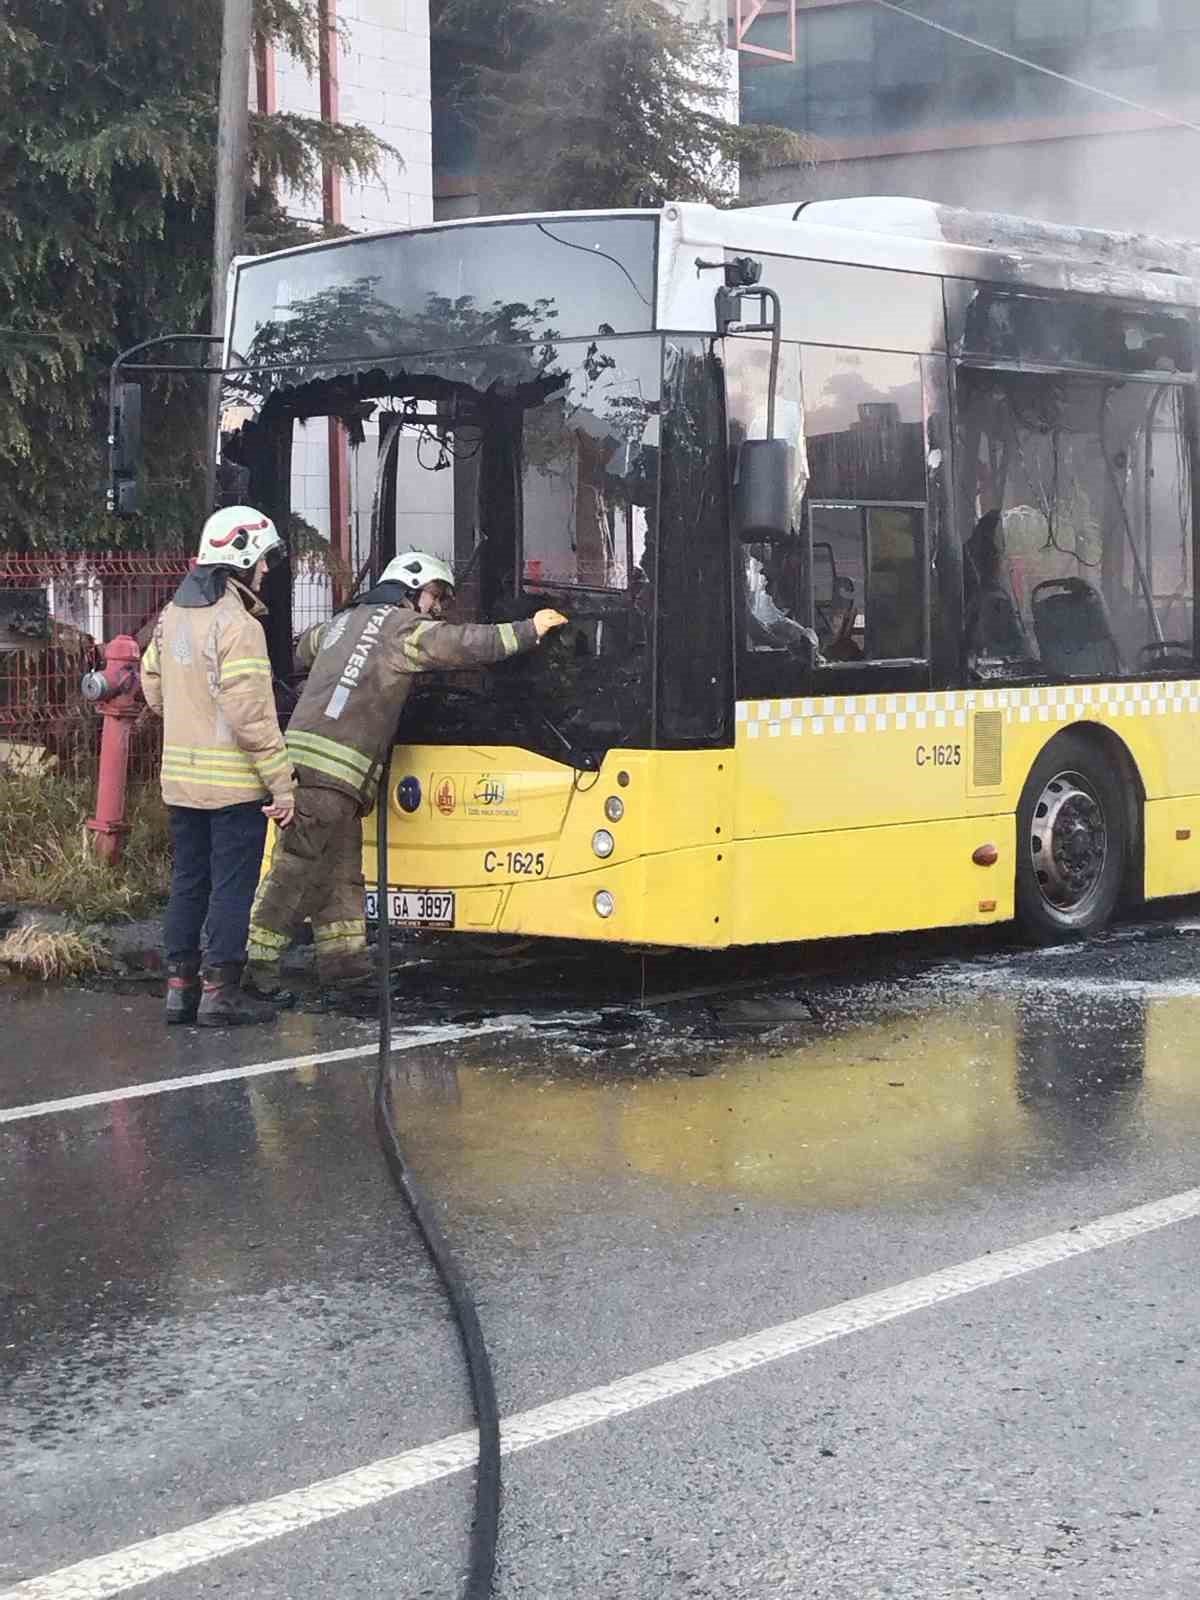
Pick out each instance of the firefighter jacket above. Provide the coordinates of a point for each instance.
(206, 673)
(363, 662)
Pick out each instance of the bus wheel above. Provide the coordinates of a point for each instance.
(1071, 842)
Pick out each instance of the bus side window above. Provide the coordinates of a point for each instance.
(1082, 486)
(868, 565)
(864, 425)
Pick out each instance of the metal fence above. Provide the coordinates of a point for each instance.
(90, 598)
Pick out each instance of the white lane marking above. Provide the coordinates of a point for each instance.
(253, 1524)
(410, 1039)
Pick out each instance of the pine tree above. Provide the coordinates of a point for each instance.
(107, 166)
(596, 103)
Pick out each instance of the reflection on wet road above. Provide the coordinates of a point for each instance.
(210, 1296)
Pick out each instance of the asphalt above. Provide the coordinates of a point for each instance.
(211, 1294)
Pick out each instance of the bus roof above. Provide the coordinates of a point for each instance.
(892, 232)
(919, 236)
(994, 230)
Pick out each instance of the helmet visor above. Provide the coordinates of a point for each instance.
(275, 556)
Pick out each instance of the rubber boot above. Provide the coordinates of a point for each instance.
(183, 990)
(225, 1004)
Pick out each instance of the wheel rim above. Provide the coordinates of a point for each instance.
(1068, 842)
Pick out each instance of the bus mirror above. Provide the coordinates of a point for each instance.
(124, 448)
(762, 490)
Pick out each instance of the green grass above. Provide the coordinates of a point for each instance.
(48, 857)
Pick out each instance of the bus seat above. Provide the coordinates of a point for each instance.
(1072, 628)
(994, 627)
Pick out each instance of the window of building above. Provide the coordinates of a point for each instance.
(862, 71)
(840, 47)
(910, 71)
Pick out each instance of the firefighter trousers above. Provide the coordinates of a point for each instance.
(217, 858)
(315, 874)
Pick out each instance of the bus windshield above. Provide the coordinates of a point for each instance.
(537, 466)
(496, 283)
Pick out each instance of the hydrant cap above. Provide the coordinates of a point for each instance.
(123, 649)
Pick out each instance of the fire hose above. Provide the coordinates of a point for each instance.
(485, 1528)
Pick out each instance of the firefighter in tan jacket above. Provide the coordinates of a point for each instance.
(225, 767)
(363, 662)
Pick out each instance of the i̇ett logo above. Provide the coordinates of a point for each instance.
(446, 798)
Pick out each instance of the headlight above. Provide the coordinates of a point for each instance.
(604, 903)
(408, 794)
(603, 843)
(614, 808)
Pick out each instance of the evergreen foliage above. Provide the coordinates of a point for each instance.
(597, 103)
(107, 167)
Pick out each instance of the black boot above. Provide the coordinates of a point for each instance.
(225, 1004)
(183, 990)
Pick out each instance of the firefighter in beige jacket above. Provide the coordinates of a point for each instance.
(225, 767)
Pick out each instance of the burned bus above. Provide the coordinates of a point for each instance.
(874, 524)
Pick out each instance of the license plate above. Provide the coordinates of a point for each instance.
(414, 908)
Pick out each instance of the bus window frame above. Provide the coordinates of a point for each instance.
(766, 674)
(865, 507)
(962, 519)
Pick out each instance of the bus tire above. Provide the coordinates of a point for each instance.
(1073, 826)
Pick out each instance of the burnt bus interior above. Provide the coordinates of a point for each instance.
(997, 490)
(985, 484)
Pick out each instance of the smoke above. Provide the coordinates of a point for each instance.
(1048, 150)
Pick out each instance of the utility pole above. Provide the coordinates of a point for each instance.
(233, 141)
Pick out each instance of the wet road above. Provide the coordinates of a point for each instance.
(211, 1296)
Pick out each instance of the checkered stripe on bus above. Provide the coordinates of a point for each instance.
(882, 713)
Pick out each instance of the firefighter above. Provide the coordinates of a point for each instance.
(225, 767)
(362, 666)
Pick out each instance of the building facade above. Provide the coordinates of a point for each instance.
(893, 106)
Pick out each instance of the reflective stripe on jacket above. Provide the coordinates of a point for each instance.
(207, 673)
(363, 662)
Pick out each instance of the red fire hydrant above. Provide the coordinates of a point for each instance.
(114, 693)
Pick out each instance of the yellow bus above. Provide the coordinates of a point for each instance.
(875, 527)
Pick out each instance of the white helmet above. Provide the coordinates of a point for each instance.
(415, 569)
(239, 536)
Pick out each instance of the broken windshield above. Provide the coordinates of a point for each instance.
(534, 468)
